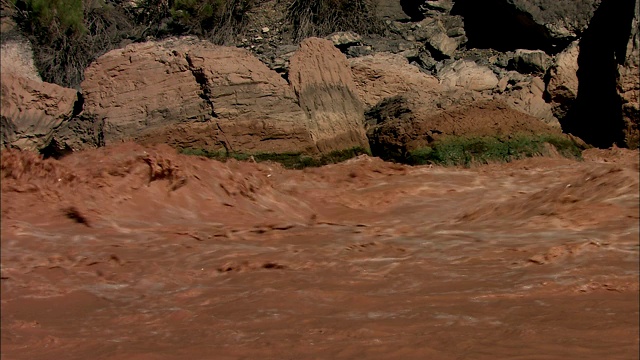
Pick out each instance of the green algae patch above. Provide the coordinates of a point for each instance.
(465, 151)
(290, 160)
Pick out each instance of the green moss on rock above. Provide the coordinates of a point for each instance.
(291, 160)
(452, 151)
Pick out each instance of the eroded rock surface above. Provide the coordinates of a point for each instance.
(528, 96)
(31, 110)
(385, 75)
(404, 123)
(145, 87)
(191, 93)
(628, 84)
(547, 25)
(562, 87)
(321, 78)
(468, 75)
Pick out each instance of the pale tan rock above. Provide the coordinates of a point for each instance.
(145, 91)
(321, 78)
(140, 87)
(562, 87)
(531, 61)
(191, 93)
(433, 33)
(31, 110)
(384, 75)
(344, 39)
(439, 5)
(468, 75)
(628, 84)
(17, 57)
(529, 99)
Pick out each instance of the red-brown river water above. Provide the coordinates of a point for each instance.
(134, 252)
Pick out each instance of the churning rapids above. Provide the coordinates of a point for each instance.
(132, 252)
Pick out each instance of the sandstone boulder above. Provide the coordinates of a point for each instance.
(31, 110)
(433, 33)
(191, 93)
(531, 61)
(527, 96)
(401, 124)
(562, 87)
(628, 85)
(384, 75)
(142, 87)
(468, 75)
(16, 56)
(322, 80)
(533, 24)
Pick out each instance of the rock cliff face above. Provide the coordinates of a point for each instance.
(409, 109)
(32, 110)
(572, 65)
(385, 75)
(468, 75)
(562, 87)
(530, 24)
(405, 123)
(581, 55)
(628, 84)
(177, 91)
(322, 81)
(191, 93)
(596, 115)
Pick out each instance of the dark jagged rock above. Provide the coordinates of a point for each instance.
(596, 115)
(547, 25)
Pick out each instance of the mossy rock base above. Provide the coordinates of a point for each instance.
(465, 151)
(446, 151)
(288, 160)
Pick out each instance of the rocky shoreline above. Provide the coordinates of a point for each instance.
(440, 68)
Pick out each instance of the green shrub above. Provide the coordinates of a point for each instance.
(323, 17)
(67, 35)
(63, 16)
(196, 16)
(216, 20)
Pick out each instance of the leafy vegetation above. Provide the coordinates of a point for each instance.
(466, 151)
(448, 151)
(323, 17)
(67, 35)
(216, 20)
(288, 160)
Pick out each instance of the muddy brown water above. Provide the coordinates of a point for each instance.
(139, 253)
